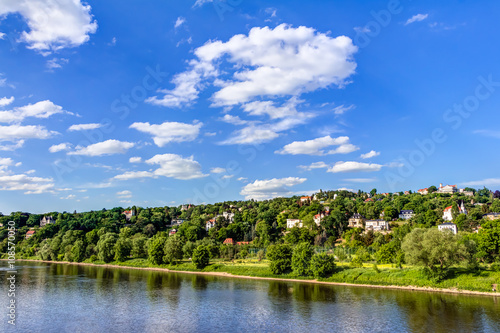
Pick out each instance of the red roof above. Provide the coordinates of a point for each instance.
(447, 208)
(228, 241)
(31, 232)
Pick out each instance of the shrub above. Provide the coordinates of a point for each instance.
(322, 265)
(261, 254)
(280, 257)
(495, 267)
(356, 262)
(93, 258)
(301, 257)
(201, 257)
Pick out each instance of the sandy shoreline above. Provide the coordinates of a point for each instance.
(224, 274)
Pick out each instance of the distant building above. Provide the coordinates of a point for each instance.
(447, 214)
(466, 193)
(177, 222)
(186, 207)
(210, 224)
(448, 189)
(30, 234)
(172, 232)
(128, 214)
(407, 192)
(357, 221)
(305, 199)
(229, 216)
(229, 241)
(448, 226)
(290, 223)
(376, 225)
(406, 214)
(46, 220)
(319, 217)
(243, 243)
(423, 191)
(492, 216)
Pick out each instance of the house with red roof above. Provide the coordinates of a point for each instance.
(30, 234)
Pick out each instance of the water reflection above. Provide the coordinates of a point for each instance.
(67, 298)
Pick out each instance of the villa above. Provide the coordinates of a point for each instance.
(290, 223)
(406, 214)
(448, 226)
(357, 221)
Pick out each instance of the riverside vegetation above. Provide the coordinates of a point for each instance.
(414, 253)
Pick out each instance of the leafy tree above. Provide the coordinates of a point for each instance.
(149, 230)
(105, 247)
(432, 189)
(201, 257)
(301, 257)
(78, 251)
(188, 249)
(173, 249)
(280, 257)
(122, 248)
(322, 265)
(156, 251)
(434, 249)
(387, 253)
(139, 247)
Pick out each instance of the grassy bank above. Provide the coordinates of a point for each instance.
(459, 280)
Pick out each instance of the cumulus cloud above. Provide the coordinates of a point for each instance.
(316, 146)
(283, 61)
(416, 18)
(19, 132)
(60, 147)
(180, 21)
(217, 170)
(124, 194)
(200, 3)
(108, 147)
(315, 165)
(24, 182)
(370, 154)
(271, 188)
(135, 160)
(169, 131)
(84, 127)
(43, 109)
(171, 166)
(53, 25)
(483, 182)
(55, 63)
(354, 167)
(4, 101)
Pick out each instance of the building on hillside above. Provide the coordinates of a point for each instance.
(172, 232)
(466, 193)
(406, 214)
(46, 220)
(177, 222)
(447, 214)
(376, 225)
(423, 191)
(407, 192)
(229, 216)
(305, 199)
(492, 216)
(448, 189)
(369, 200)
(290, 223)
(30, 234)
(357, 221)
(319, 217)
(229, 241)
(448, 226)
(128, 214)
(210, 224)
(243, 243)
(186, 207)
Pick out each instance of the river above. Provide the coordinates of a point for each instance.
(72, 298)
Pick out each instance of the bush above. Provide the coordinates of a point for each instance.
(495, 267)
(93, 258)
(322, 265)
(280, 257)
(201, 257)
(261, 254)
(363, 255)
(356, 262)
(301, 258)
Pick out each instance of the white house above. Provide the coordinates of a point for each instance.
(290, 223)
(450, 189)
(376, 225)
(177, 222)
(319, 217)
(448, 215)
(210, 224)
(46, 220)
(423, 191)
(229, 216)
(406, 214)
(448, 226)
(357, 221)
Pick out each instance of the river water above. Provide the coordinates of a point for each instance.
(71, 298)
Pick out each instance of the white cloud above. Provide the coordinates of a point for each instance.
(200, 3)
(488, 133)
(315, 165)
(55, 63)
(484, 182)
(242, 179)
(316, 146)
(354, 167)
(6, 101)
(235, 120)
(283, 61)
(171, 166)
(341, 109)
(69, 197)
(361, 180)
(19, 132)
(416, 18)
(60, 147)
(108, 147)
(2, 35)
(370, 154)
(218, 170)
(12, 147)
(84, 127)
(124, 194)
(271, 188)
(23, 182)
(135, 160)
(43, 109)
(180, 21)
(53, 24)
(169, 131)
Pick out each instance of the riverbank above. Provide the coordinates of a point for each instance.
(371, 278)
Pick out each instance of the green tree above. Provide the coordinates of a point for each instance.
(139, 247)
(322, 265)
(123, 247)
(105, 247)
(280, 257)
(173, 249)
(301, 258)
(433, 249)
(155, 250)
(78, 251)
(201, 257)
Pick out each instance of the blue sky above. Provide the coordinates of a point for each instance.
(156, 103)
